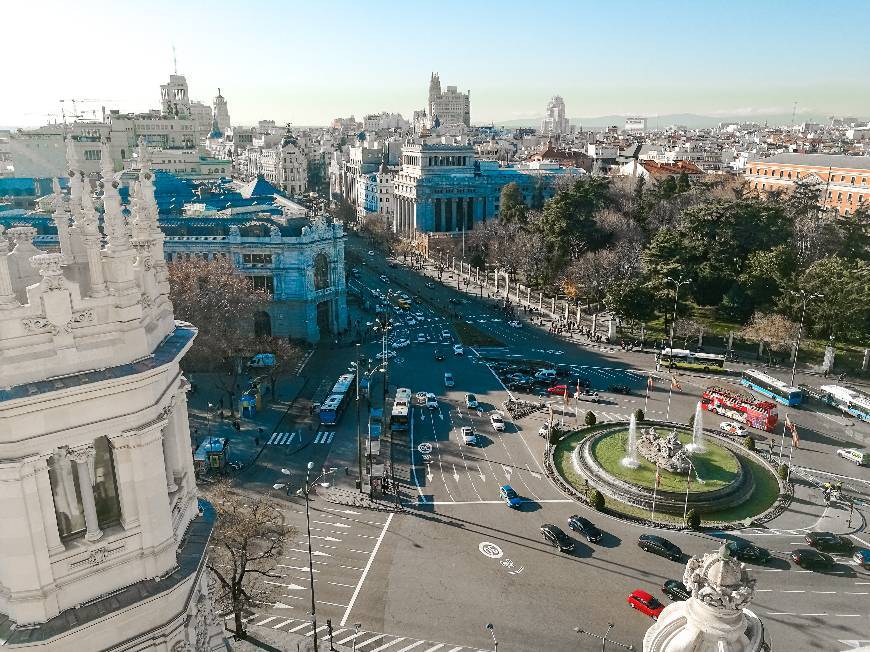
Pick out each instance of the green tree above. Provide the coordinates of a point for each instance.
(782, 471)
(693, 519)
(596, 500)
(639, 415)
(843, 309)
(632, 300)
(683, 183)
(749, 443)
(512, 208)
(567, 224)
(767, 273)
(668, 187)
(590, 419)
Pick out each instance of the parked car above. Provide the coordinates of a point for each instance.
(507, 494)
(745, 551)
(676, 590)
(733, 428)
(585, 527)
(448, 379)
(469, 437)
(812, 559)
(430, 284)
(856, 455)
(384, 278)
(862, 558)
(544, 431)
(659, 546)
(619, 389)
(458, 349)
(587, 395)
(829, 542)
(645, 603)
(262, 360)
(371, 253)
(401, 344)
(431, 401)
(470, 401)
(421, 397)
(421, 337)
(515, 324)
(497, 421)
(557, 538)
(558, 390)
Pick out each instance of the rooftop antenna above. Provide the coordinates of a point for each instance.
(174, 62)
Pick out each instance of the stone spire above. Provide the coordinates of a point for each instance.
(715, 618)
(61, 218)
(76, 251)
(92, 239)
(7, 296)
(113, 217)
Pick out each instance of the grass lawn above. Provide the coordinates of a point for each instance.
(471, 335)
(717, 467)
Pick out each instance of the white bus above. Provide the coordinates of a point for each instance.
(401, 413)
(848, 400)
(690, 359)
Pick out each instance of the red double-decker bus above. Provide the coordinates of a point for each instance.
(736, 405)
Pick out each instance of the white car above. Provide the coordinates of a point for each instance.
(431, 401)
(733, 428)
(448, 379)
(856, 455)
(458, 349)
(421, 397)
(469, 438)
(515, 324)
(411, 321)
(497, 421)
(421, 337)
(401, 344)
(445, 335)
(544, 431)
(371, 253)
(384, 278)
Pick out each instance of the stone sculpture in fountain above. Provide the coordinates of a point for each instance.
(665, 452)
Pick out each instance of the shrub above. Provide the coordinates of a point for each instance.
(591, 420)
(638, 414)
(749, 443)
(692, 421)
(554, 436)
(782, 471)
(596, 500)
(693, 519)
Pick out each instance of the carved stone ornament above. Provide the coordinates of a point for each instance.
(37, 324)
(720, 581)
(83, 317)
(49, 268)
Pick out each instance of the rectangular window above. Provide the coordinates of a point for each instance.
(262, 283)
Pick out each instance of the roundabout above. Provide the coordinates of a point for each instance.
(696, 470)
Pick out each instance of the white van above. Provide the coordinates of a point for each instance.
(546, 374)
(856, 455)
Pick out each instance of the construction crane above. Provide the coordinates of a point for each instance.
(75, 115)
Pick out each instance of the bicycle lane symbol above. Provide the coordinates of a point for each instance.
(492, 551)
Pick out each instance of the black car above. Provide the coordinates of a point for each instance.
(809, 558)
(619, 389)
(659, 546)
(557, 538)
(585, 527)
(745, 551)
(676, 590)
(828, 542)
(438, 355)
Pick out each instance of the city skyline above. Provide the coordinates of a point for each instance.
(309, 64)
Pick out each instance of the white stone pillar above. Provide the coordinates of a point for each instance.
(594, 323)
(553, 307)
(566, 311)
(82, 458)
(540, 300)
(866, 361)
(578, 314)
(46, 506)
(170, 459)
(529, 296)
(7, 296)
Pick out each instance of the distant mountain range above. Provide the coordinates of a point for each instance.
(691, 120)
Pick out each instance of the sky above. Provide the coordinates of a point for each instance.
(308, 62)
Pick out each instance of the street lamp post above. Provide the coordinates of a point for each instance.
(804, 298)
(310, 556)
(358, 436)
(491, 630)
(604, 640)
(356, 628)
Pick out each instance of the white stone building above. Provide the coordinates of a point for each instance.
(555, 122)
(449, 107)
(202, 115)
(221, 112)
(104, 544)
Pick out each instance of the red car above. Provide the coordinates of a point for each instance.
(645, 603)
(558, 390)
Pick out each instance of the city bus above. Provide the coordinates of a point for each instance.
(376, 423)
(848, 400)
(772, 387)
(690, 359)
(333, 407)
(401, 414)
(740, 407)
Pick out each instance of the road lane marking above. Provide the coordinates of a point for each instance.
(414, 464)
(386, 645)
(351, 637)
(366, 571)
(372, 640)
(435, 647)
(411, 647)
(267, 620)
(298, 627)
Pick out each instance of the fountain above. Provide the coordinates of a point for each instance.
(630, 461)
(697, 445)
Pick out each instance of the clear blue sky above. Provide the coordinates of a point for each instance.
(307, 62)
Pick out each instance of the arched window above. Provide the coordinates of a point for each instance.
(321, 272)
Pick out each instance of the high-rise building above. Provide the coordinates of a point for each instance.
(175, 97)
(449, 107)
(555, 121)
(104, 544)
(221, 112)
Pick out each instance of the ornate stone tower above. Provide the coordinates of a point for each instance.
(104, 540)
(221, 112)
(716, 617)
(434, 93)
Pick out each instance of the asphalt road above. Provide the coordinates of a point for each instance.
(433, 577)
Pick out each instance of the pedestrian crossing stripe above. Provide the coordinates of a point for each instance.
(281, 439)
(324, 437)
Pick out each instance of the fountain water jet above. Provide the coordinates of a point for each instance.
(697, 445)
(630, 460)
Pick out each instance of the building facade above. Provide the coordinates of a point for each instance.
(842, 180)
(555, 122)
(449, 107)
(221, 112)
(105, 544)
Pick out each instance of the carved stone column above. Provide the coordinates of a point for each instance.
(170, 456)
(82, 457)
(7, 296)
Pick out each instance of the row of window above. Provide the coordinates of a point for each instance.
(797, 175)
(258, 259)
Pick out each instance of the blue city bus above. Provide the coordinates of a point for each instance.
(772, 387)
(333, 407)
(848, 400)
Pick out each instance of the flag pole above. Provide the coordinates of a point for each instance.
(670, 391)
(646, 399)
(782, 439)
(788, 472)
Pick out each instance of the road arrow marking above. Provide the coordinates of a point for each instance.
(429, 475)
(507, 471)
(480, 473)
(537, 476)
(325, 538)
(455, 474)
(281, 605)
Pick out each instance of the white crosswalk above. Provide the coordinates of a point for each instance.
(324, 437)
(282, 438)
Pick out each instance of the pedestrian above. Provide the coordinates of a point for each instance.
(221, 402)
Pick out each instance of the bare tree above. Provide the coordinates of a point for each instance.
(245, 546)
(774, 331)
(216, 298)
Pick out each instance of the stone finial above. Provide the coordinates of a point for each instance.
(72, 156)
(49, 266)
(22, 236)
(144, 157)
(719, 580)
